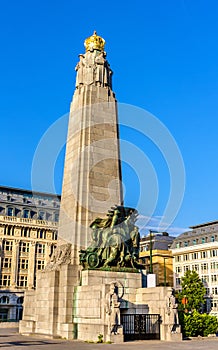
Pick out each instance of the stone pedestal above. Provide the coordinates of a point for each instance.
(48, 309)
(173, 336)
(89, 302)
(116, 338)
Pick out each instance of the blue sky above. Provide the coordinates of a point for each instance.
(164, 56)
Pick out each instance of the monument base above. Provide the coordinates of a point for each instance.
(89, 312)
(116, 338)
(48, 309)
(70, 303)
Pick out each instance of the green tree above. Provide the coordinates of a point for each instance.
(192, 295)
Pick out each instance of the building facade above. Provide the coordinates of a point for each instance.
(28, 234)
(197, 250)
(157, 258)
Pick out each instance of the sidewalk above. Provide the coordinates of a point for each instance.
(10, 339)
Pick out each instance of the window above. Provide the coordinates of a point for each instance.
(194, 256)
(178, 245)
(4, 299)
(178, 269)
(20, 300)
(215, 290)
(214, 304)
(41, 234)
(24, 247)
(207, 291)
(214, 278)
(204, 266)
(6, 263)
(205, 278)
(185, 257)
(10, 231)
(186, 268)
(203, 255)
(5, 280)
(41, 215)
(3, 314)
(55, 235)
(203, 240)
(212, 239)
(195, 267)
(40, 248)
(178, 281)
(25, 232)
(8, 245)
(40, 264)
(10, 211)
(178, 258)
(23, 264)
(185, 244)
(194, 242)
(214, 265)
(213, 253)
(22, 281)
(26, 213)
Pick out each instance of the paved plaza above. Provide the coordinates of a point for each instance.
(10, 339)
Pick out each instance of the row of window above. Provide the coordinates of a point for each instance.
(5, 280)
(6, 300)
(26, 232)
(209, 291)
(24, 247)
(22, 264)
(214, 305)
(29, 214)
(198, 267)
(195, 241)
(197, 255)
(33, 200)
(206, 278)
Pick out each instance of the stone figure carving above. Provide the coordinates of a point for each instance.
(93, 68)
(172, 311)
(100, 69)
(115, 241)
(79, 70)
(60, 256)
(112, 308)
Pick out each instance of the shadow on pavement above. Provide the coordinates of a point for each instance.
(25, 343)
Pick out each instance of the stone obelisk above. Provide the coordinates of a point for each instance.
(92, 171)
(91, 185)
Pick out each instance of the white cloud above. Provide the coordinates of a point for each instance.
(147, 224)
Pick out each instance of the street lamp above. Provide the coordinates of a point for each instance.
(151, 265)
(165, 272)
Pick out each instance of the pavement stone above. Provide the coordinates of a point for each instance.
(10, 339)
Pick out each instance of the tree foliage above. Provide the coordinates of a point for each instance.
(193, 291)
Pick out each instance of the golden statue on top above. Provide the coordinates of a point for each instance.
(94, 42)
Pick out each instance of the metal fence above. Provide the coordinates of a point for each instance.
(141, 326)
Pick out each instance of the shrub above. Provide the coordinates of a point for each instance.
(195, 324)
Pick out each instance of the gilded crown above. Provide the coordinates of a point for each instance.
(94, 42)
